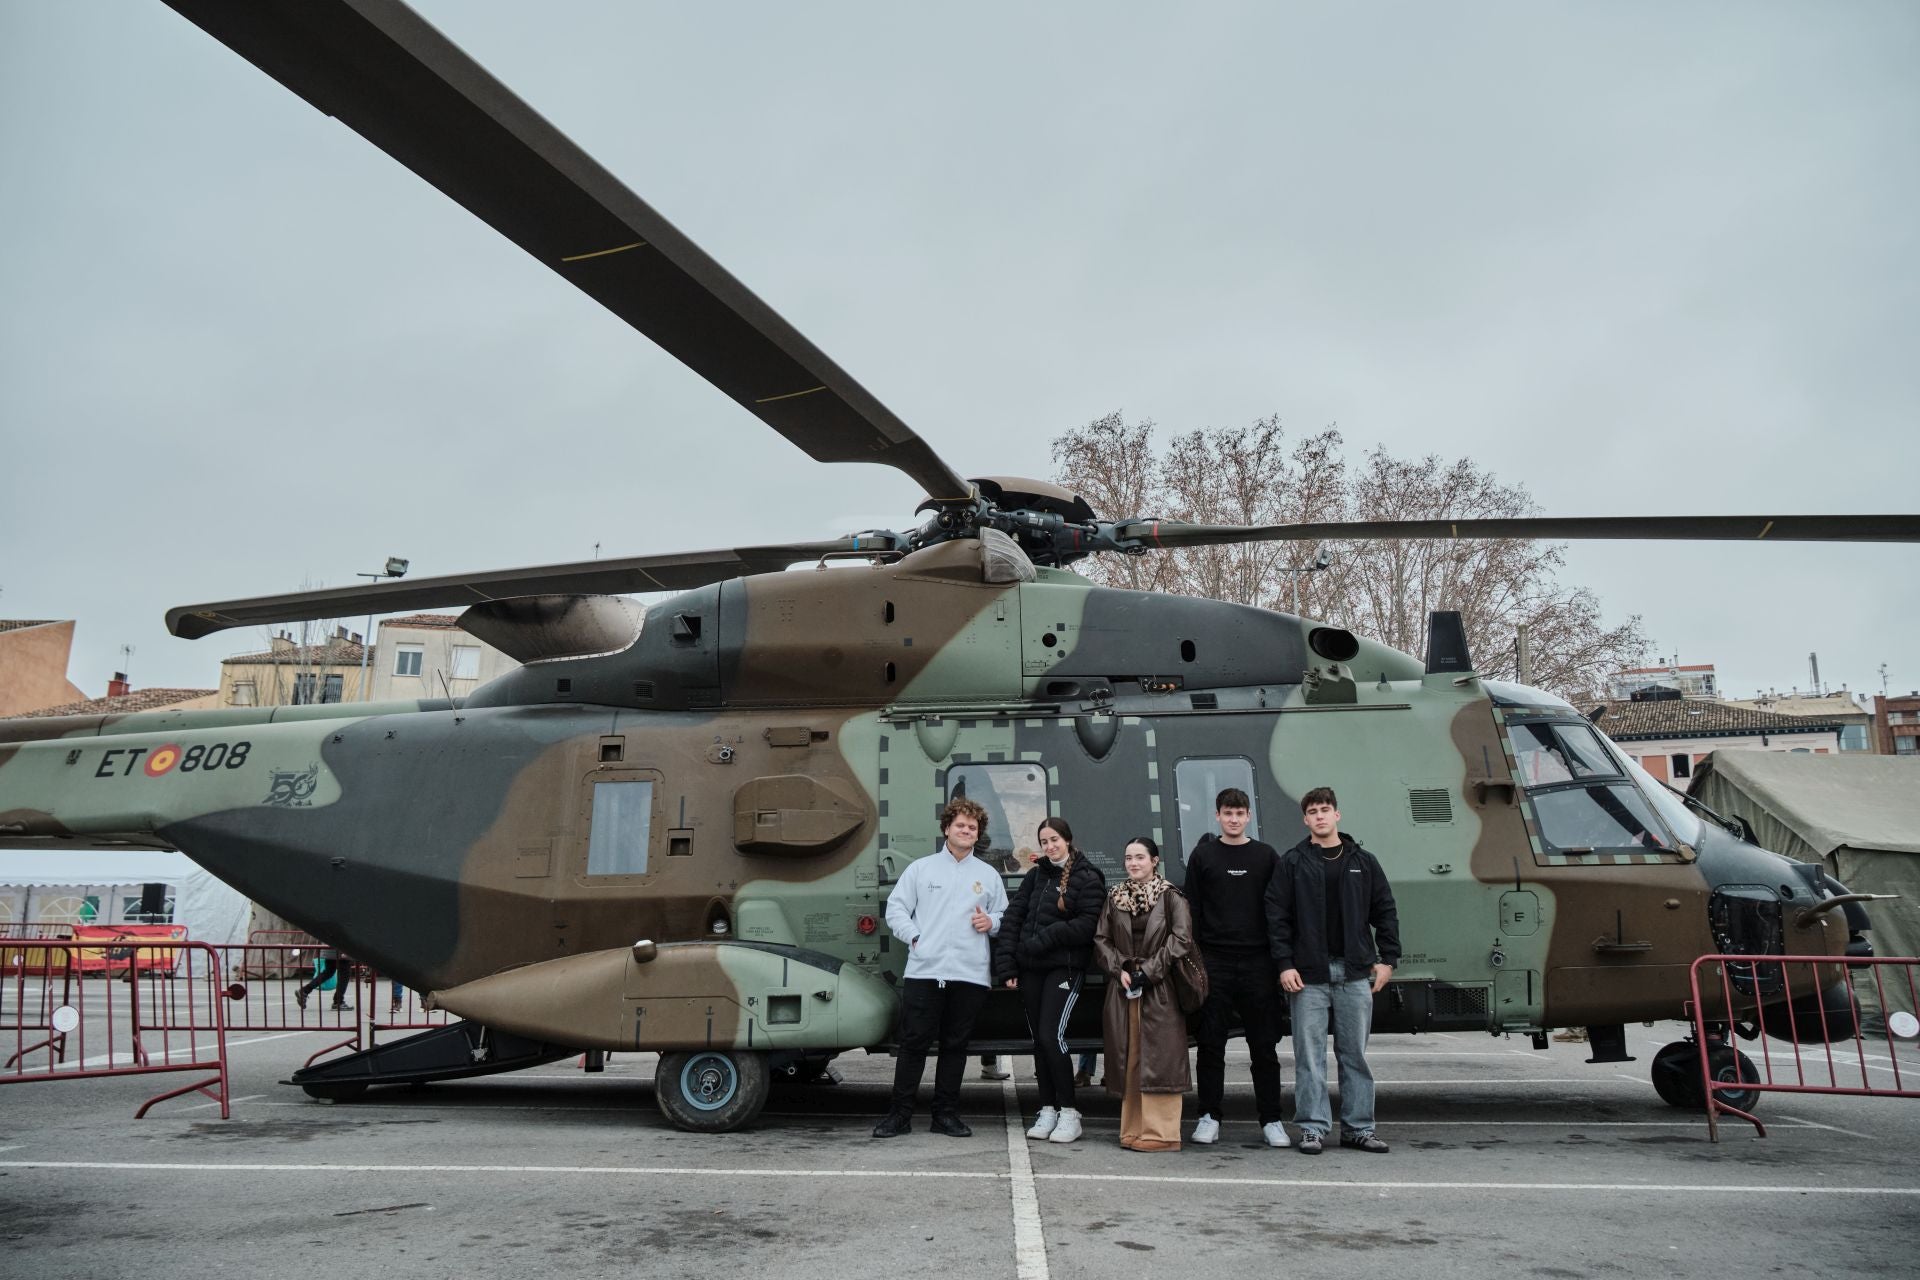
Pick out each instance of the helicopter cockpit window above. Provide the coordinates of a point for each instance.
(1599, 819)
(622, 818)
(1583, 797)
(1015, 798)
(1547, 753)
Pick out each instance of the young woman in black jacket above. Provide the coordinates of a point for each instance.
(1043, 950)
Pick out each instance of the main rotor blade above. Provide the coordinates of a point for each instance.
(681, 572)
(391, 77)
(1174, 533)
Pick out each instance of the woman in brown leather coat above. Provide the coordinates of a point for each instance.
(1145, 927)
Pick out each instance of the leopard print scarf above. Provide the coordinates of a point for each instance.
(1136, 897)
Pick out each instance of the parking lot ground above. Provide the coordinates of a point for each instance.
(1505, 1160)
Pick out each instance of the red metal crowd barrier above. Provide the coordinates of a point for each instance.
(265, 993)
(284, 938)
(1804, 1012)
(64, 1020)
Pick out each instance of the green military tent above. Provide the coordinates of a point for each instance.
(1858, 815)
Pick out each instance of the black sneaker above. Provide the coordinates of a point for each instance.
(952, 1126)
(300, 998)
(1364, 1142)
(1309, 1144)
(894, 1124)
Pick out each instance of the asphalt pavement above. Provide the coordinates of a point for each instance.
(1505, 1160)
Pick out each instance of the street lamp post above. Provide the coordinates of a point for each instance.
(1320, 562)
(396, 568)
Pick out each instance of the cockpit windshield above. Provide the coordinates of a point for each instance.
(1588, 800)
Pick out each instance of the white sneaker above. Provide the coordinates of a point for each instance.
(1045, 1123)
(1069, 1127)
(1206, 1130)
(1275, 1134)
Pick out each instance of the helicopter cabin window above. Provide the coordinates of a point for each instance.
(1197, 783)
(1015, 798)
(622, 816)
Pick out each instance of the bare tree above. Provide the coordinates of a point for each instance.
(1377, 588)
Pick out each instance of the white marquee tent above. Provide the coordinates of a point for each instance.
(52, 885)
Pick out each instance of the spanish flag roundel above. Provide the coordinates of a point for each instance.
(162, 759)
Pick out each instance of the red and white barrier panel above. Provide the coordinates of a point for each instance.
(70, 1012)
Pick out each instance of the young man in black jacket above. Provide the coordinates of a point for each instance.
(1336, 939)
(1227, 878)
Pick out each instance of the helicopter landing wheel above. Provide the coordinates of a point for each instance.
(1730, 1066)
(1676, 1076)
(339, 1091)
(710, 1090)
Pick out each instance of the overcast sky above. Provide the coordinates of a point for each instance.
(1642, 258)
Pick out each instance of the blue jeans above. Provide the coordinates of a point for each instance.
(1351, 1003)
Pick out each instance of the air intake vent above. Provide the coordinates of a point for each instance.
(1430, 804)
(1457, 1004)
(643, 691)
(1203, 701)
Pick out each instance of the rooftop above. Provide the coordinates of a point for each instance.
(332, 653)
(1700, 718)
(21, 624)
(428, 621)
(124, 704)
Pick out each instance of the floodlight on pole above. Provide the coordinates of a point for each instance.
(396, 568)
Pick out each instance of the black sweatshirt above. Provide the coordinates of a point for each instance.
(1226, 888)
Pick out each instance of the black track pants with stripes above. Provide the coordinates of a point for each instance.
(1050, 996)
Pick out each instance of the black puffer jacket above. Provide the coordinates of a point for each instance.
(1035, 934)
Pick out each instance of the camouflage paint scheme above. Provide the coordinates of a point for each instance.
(800, 730)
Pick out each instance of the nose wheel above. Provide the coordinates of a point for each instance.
(1676, 1075)
(712, 1090)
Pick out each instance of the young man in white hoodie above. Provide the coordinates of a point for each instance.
(944, 908)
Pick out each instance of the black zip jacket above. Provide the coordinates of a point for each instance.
(1036, 934)
(1297, 912)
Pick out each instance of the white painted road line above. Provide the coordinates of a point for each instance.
(284, 1035)
(651, 1171)
(1662, 1188)
(1029, 1245)
(685, 1171)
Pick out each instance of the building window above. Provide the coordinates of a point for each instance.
(466, 662)
(1015, 798)
(408, 659)
(310, 687)
(1906, 746)
(622, 822)
(1682, 764)
(1853, 737)
(244, 694)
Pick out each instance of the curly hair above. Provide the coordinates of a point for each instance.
(961, 807)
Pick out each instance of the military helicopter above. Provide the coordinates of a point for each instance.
(674, 828)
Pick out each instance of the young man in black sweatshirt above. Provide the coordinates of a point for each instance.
(1226, 888)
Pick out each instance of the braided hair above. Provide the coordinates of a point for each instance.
(1059, 827)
